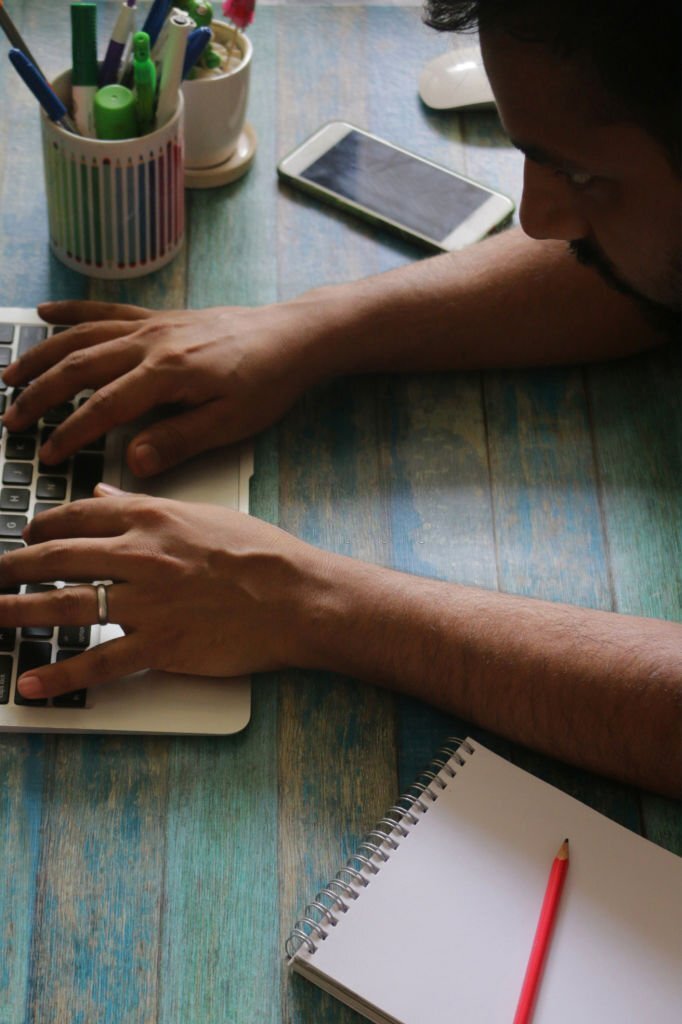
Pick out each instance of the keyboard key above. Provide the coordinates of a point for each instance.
(12, 498)
(51, 488)
(9, 545)
(6, 666)
(58, 414)
(12, 526)
(60, 328)
(8, 636)
(75, 699)
(30, 335)
(6, 334)
(17, 473)
(31, 656)
(3, 403)
(5, 356)
(37, 632)
(88, 469)
(20, 446)
(74, 636)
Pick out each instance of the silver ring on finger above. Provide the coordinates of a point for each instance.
(102, 603)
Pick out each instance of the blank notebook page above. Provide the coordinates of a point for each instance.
(444, 930)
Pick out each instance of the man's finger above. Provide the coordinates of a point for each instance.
(75, 311)
(171, 441)
(52, 351)
(85, 518)
(87, 368)
(71, 559)
(111, 405)
(98, 665)
(66, 606)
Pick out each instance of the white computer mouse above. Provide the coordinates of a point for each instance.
(453, 81)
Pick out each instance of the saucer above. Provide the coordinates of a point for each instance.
(231, 170)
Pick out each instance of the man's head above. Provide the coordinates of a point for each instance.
(590, 92)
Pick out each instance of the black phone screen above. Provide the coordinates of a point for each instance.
(396, 185)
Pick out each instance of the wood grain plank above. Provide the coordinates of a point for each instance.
(28, 273)
(97, 905)
(441, 517)
(221, 893)
(548, 523)
(24, 762)
(638, 430)
(336, 738)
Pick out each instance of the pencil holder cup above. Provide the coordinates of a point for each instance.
(215, 106)
(115, 209)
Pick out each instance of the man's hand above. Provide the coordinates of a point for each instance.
(196, 588)
(231, 371)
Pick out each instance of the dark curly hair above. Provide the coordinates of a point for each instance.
(635, 48)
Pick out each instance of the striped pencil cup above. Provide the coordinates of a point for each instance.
(115, 209)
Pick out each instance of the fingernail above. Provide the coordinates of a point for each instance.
(108, 489)
(30, 686)
(147, 459)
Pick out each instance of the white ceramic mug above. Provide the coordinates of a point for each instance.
(215, 108)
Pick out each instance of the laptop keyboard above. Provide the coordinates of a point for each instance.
(27, 488)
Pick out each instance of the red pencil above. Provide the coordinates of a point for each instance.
(543, 935)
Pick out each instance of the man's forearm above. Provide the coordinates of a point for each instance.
(507, 301)
(592, 688)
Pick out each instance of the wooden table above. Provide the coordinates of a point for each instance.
(155, 879)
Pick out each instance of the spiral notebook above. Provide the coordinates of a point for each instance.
(433, 918)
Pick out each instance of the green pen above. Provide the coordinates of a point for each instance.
(84, 72)
(144, 78)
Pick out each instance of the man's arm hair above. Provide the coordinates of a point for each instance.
(506, 302)
(593, 688)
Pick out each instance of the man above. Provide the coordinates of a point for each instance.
(602, 173)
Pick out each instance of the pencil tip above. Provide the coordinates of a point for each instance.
(563, 850)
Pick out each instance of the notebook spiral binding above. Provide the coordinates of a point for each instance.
(376, 848)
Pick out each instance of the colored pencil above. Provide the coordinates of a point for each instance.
(543, 936)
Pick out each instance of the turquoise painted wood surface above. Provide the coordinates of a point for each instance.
(154, 879)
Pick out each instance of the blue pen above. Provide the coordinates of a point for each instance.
(108, 73)
(155, 19)
(43, 92)
(197, 41)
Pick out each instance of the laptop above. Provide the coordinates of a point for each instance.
(146, 702)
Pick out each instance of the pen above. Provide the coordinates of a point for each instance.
(197, 41)
(144, 77)
(543, 935)
(155, 19)
(179, 27)
(14, 36)
(43, 92)
(84, 73)
(119, 37)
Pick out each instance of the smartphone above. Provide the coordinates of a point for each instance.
(387, 185)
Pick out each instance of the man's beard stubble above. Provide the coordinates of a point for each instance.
(660, 317)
